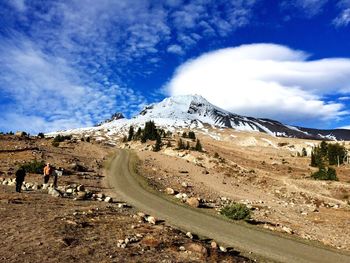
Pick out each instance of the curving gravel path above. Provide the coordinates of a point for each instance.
(263, 244)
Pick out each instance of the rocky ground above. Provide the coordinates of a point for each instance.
(261, 171)
(78, 221)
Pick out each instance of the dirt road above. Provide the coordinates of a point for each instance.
(241, 238)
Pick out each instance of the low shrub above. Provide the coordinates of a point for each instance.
(35, 166)
(55, 144)
(236, 211)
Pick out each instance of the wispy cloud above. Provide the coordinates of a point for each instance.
(267, 80)
(343, 19)
(67, 64)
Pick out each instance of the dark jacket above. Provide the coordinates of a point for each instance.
(20, 174)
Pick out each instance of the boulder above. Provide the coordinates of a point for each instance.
(152, 220)
(287, 230)
(170, 191)
(53, 192)
(197, 248)
(193, 202)
(81, 195)
(214, 245)
(108, 199)
(189, 234)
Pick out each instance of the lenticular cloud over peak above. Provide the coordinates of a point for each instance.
(267, 80)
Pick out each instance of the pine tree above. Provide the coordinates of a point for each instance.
(131, 133)
(198, 146)
(184, 135)
(150, 132)
(158, 144)
(191, 135)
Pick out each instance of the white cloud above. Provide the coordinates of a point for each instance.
(266, 80)
(176, 49)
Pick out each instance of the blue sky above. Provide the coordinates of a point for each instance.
(66, 64)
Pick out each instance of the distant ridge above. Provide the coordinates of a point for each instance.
(194, 111)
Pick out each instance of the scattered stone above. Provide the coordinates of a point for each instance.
(54, 192)
(189, 234)
(69, 191)
(169, 191)
(287, 230)
(81, 195)
(193, 202)
(108, 199)
(100, 195)
(152, 220)
(222, 249)
(182, 248)
(184, 185)
(214, 245)
(197, 248)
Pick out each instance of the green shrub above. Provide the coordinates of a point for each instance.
(55, 144)
(41, 135)
(35, 166)
(236, 211)
(325, 174)
(62, 138)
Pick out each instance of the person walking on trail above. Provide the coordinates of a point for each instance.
(20, 174)
(47, 173)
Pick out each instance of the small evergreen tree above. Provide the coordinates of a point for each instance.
(184, 135)
(198, 146)
(41, 135)
(191, 135)
(150, 132)
(158, 144)
(131, 133)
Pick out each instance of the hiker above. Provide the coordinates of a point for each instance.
(20, 174)
(47, 173)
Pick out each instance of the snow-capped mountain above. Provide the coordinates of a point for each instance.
(193, 111)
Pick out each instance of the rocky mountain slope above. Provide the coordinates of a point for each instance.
(193, 111)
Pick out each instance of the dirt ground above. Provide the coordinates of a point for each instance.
(263, 172)
(36, 226)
